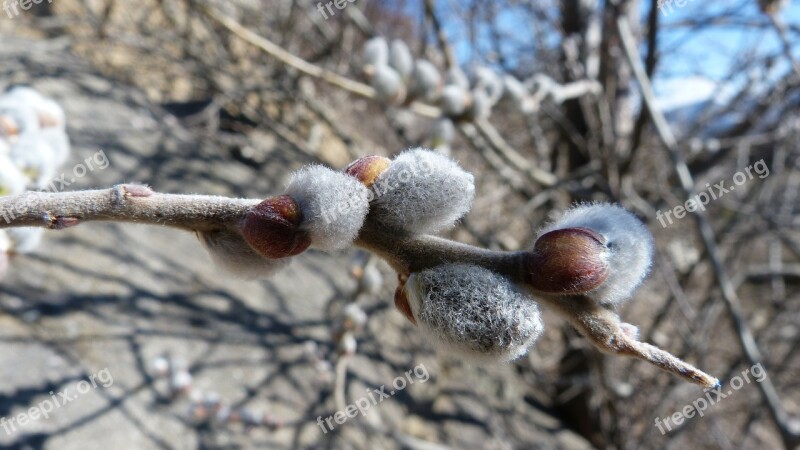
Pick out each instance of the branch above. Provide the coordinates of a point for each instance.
(791, 437)
(123, 203)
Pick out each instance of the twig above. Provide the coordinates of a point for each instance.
(747, 341)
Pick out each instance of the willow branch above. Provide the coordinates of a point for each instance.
(729, 295)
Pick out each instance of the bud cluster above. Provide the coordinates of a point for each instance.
(419, 191)
(33, 145)
(399, 79)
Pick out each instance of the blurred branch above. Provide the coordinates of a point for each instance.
(789, 434)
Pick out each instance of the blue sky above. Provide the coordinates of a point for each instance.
(694, 63)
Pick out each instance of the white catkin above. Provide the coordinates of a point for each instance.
(456, 77)
(629, 241)
(400, 58)
(422, 192)
(426, 81)
(481, 104)
(34, 156)
(454, 100)
(12, 180)
(389, 87)
(333, 205)
(376, 52)
(442, 133)
(232, 253)
(474, 312)
(25, 240)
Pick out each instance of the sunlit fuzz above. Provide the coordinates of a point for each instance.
(389, 87)
(12, 180)
(422, 192)
(473, 312)
(34, 156)
(454, 101)
(333, 205)
(25, 240)
(49, 113)
(375, 53)
(442, 133)
(481, 105)
(426, 82)
(401, 59)
(456, 77)
(628, 242)
(232, 253)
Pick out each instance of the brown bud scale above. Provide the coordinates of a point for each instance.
(272, 228)
(567, 261)
(368, 169)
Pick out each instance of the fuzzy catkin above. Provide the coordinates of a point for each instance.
(333, 205)
(473, 312)
(628, 239)
(422, 192)
(401, 59)
(375, 52)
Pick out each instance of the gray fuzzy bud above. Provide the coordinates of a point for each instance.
(473, 312)
(333, 205)
(454, 100)
(442, 133)
(401, 59)
(422, 192)
(426, 81)
(456, 77)
(232, 253)
(375, 52)
(12, 180)
(25, 240)
(481, 105)
(629, 242)
(388, 85)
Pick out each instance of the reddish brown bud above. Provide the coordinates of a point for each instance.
(401, 299)
(272, 228)
(368, 169)
(567, 261)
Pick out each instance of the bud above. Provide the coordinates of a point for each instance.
(422, 192)
(375, 52)
(442, 133)
(401, 59)
(12, 180)
(368, 168)
(481, 105)
(333, 205)
(25, 240)
(473, 312)
(627, 252)
(567, 261)
(454, 100)
(455, 76)
(388, 85)
(232, 253)
(425, 81)
(272, 228)
(33, 155)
